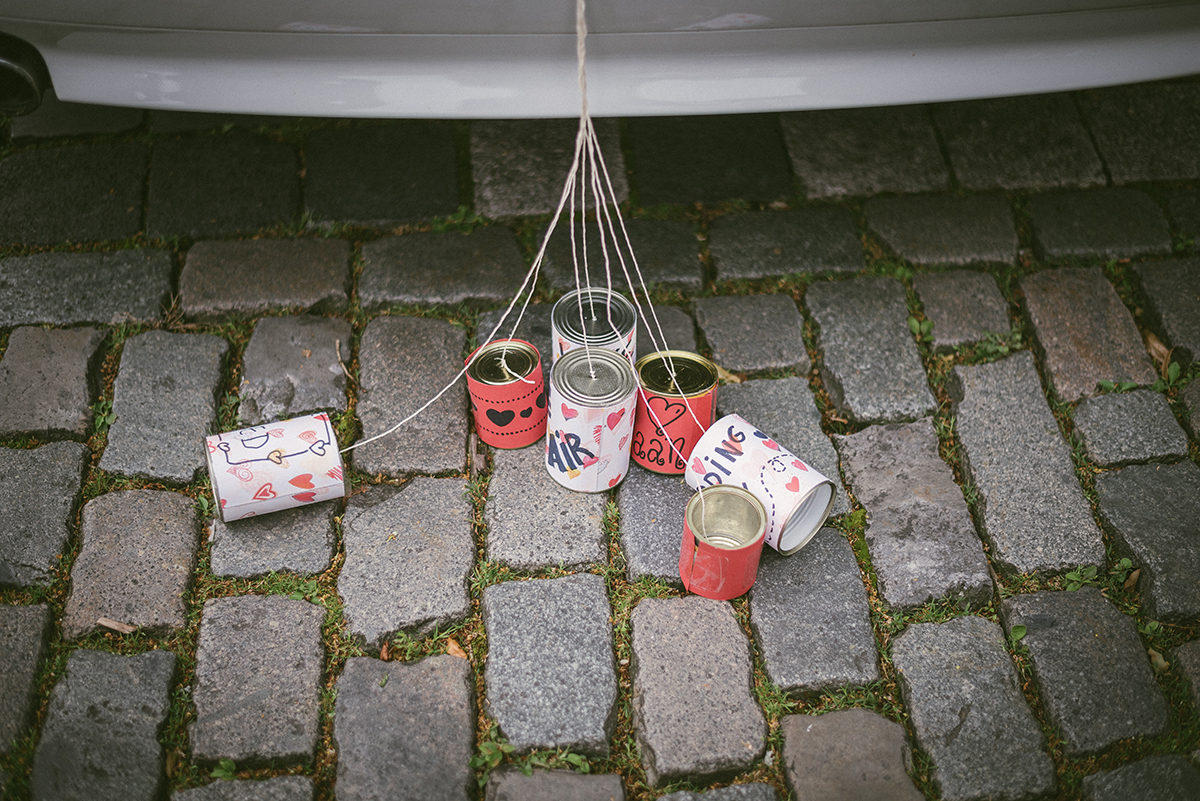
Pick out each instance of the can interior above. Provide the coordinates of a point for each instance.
(730, 520)
(490, 365)
(806, 519)
(694, 374)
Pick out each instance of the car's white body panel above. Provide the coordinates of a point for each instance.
(517, 59)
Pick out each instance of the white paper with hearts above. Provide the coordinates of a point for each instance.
(275, 466)
(587, 448)
(796, 496)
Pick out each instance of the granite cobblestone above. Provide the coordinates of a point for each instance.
(48, 381)
(108, 288)
(405, 731)
(100, 739)
(164, 400)
(1091, 667)
(864, 151)
(936, 229)
(1086, 333)
(811, 619)
(969, 713)
(871, 366)
(294, 366)
(1034, 514)
(964, 307)
(551, 674)
(919, 531)
(813, 239)
(680, 738)
(135, 564)
(259, 662)
(253, 276)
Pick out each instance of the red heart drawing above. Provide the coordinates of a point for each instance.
(265, 493)
(770, 443)
(335, 473)
(621, 444)
(303, 481)
(799, 465)
(308, 436)
(276, 432)
(794, 484)
(615, 418)
(612, 482)
(670, 411)
(697, 465)
(568, 412)
(588, 461)
(306, 497)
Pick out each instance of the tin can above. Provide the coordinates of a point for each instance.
(608, 321)
(723, 531)
(275, 466)
(508, 394)
(797, 498)
(673, 411)
(589, 422)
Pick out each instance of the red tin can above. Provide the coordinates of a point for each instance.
(723, 531)
(508, 394)
(677, 402)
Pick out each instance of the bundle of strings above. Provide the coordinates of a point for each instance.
(587, 180)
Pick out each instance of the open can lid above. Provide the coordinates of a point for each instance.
(806, 518)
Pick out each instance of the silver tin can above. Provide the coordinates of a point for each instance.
(593, 401)
(608, 321)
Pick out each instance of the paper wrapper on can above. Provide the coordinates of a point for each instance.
(510, 414)
(797, 498)
(275, 466)
(718, 557)
(587, 446)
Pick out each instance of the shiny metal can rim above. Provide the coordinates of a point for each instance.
(695, 376)
(615, 377)
(726, 542)
(565, 316)
(487, 368)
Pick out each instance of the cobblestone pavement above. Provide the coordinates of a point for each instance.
(957, 311)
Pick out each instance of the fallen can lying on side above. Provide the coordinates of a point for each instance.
(797, 498)
(275, 466)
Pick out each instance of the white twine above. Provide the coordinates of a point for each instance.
(588, 160)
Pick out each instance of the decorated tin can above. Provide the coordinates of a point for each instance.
(275, 466)
(723, 531)
(677, 402)
(797, 498)
(508, 394)
(595, 317)
(593, 398)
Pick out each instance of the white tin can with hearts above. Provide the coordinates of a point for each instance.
(589, 419)
(797, 498)
(275, 466)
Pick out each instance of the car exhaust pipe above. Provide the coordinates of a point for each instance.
(24, 78)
